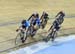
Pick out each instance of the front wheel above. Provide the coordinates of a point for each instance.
(20, 38)
(51, 36)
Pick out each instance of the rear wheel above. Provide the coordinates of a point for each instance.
(53, 36)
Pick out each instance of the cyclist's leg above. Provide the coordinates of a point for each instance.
(34, 30)
(61, 19)
(23, 38)
(22, 32)
(30, 30)
(43, 24)
(53, 35)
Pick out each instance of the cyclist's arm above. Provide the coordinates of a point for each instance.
(29, 17)
(19, 28)
(41, 17)
(57, 14)
(26, 29)
(50, 28)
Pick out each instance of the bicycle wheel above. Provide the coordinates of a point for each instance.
(19, 38)
(47, 38)
(53, 36)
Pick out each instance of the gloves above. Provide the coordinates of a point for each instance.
(17, 30)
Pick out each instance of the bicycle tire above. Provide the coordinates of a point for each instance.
(18, 40)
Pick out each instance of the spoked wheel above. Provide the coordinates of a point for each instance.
(20, 38)
(51, 36)
(47, 38)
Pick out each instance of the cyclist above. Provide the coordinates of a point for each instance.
(34, 24)
(54, 29)
(60, 17)
(24, 27)
(44, 16)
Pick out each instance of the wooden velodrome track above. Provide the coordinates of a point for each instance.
(11, 41)
(13, 11)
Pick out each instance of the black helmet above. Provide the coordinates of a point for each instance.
(23, 21)
(37, 15)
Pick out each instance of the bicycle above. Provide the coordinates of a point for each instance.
(51, 36)
(20, 36)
